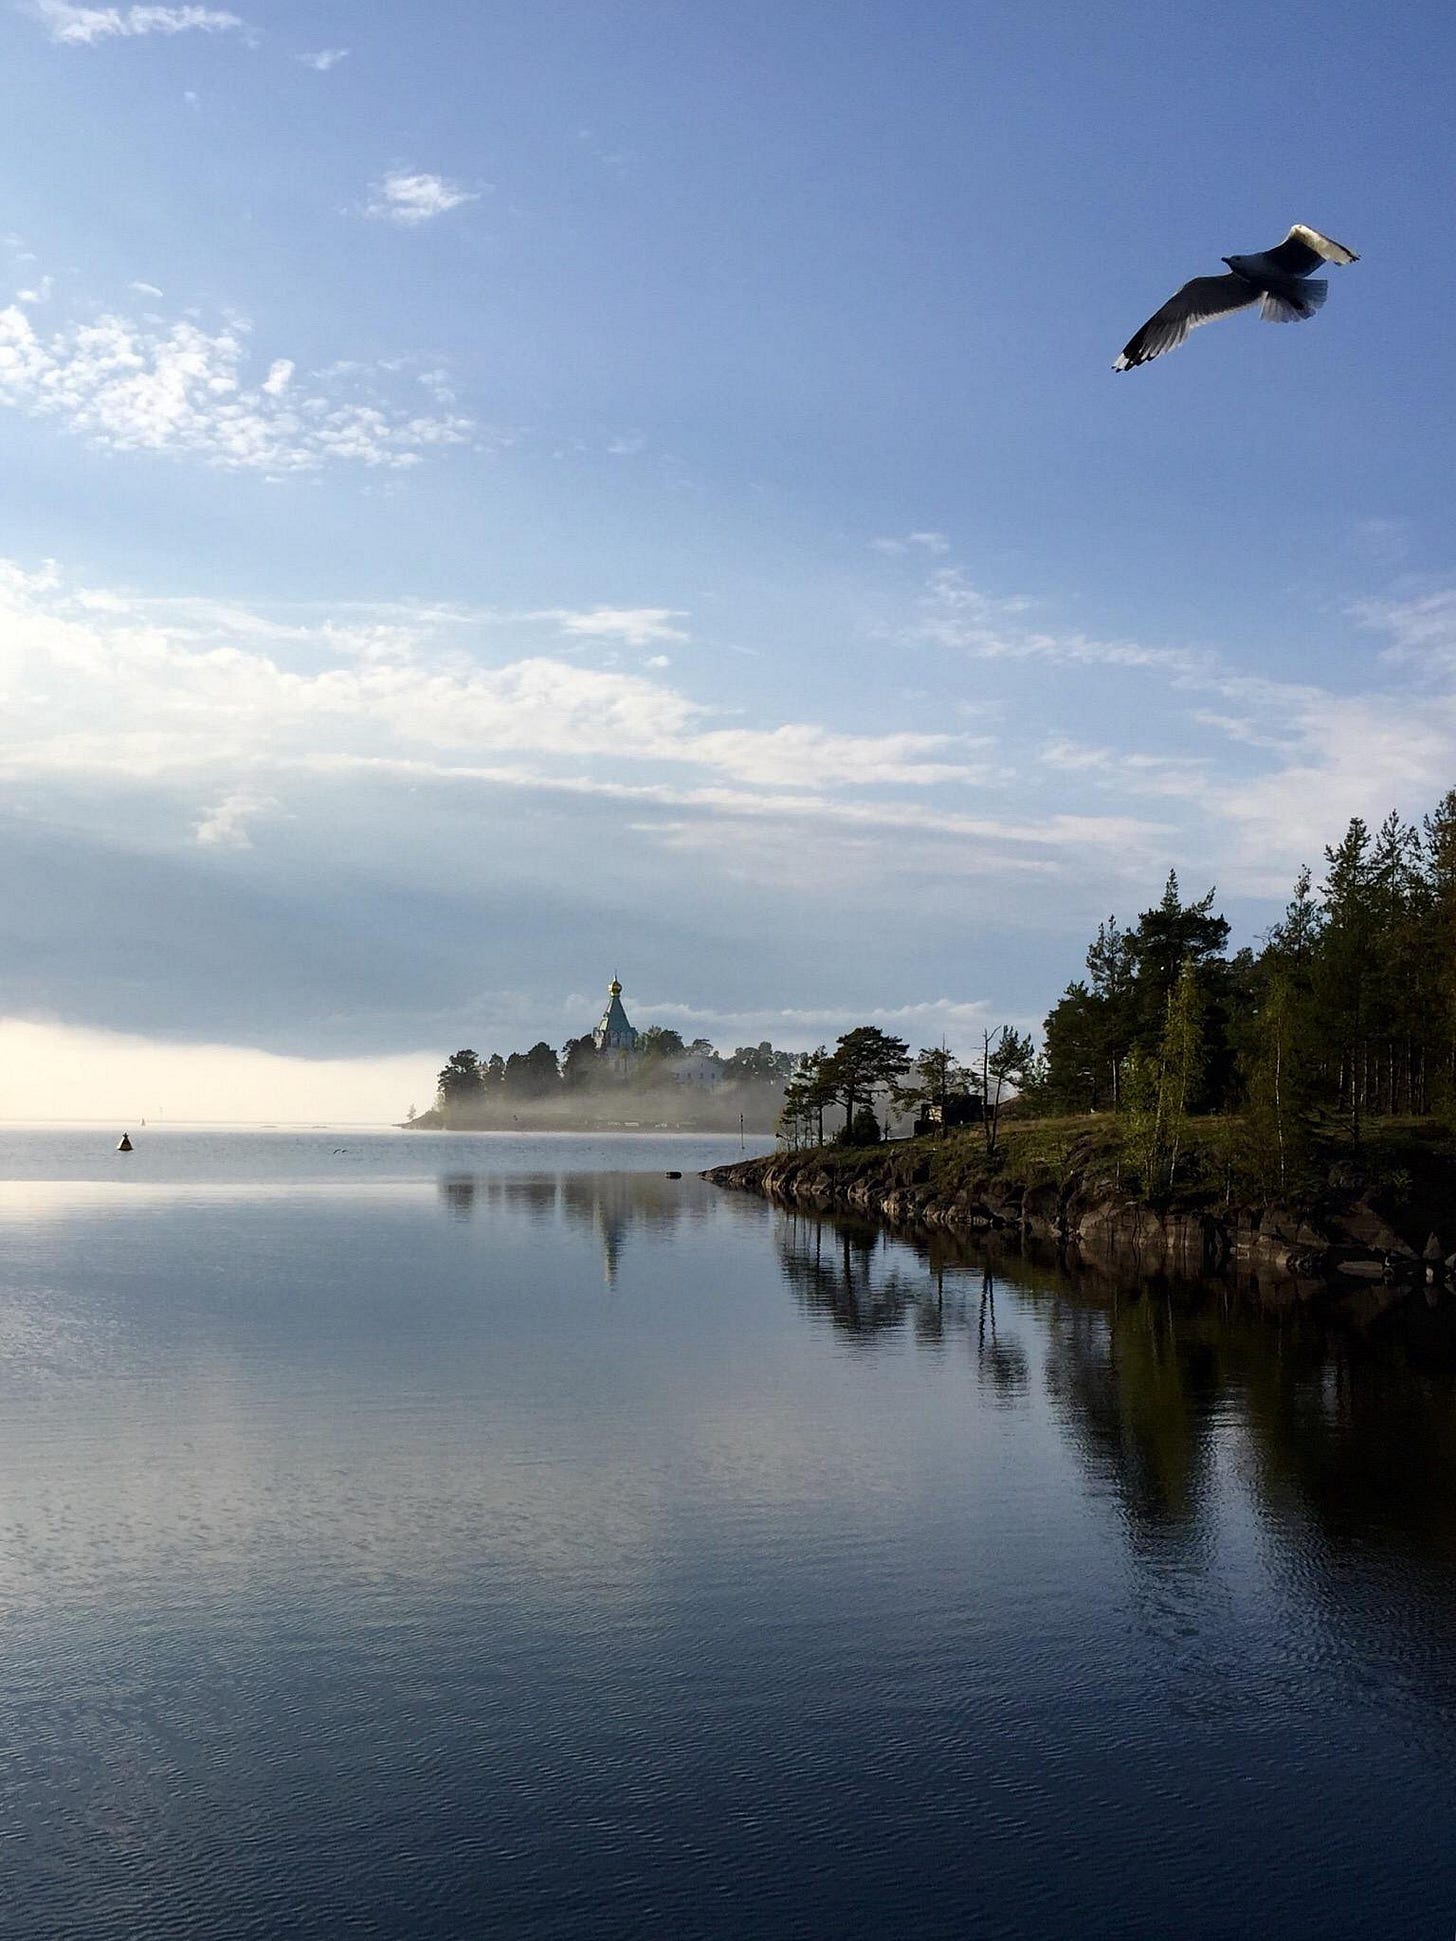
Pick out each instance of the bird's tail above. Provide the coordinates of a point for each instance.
(1295, 303)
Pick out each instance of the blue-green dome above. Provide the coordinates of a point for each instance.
(615, 1032)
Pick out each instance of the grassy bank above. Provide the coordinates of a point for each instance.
(1387, 1204)
(1403, 1160)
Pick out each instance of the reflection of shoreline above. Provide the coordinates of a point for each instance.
(611, 1204)
(1153, 1384)
(836, 1269)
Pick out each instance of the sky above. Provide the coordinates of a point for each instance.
(499, 495)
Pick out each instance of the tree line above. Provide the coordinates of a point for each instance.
(1345, 1012)
(469, 1086)
(869, 1066)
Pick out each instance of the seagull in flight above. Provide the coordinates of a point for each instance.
(1277, 279)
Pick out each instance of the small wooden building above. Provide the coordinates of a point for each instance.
(963, 1109)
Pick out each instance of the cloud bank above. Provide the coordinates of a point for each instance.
(103, 682)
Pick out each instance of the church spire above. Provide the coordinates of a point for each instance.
(615, 1033)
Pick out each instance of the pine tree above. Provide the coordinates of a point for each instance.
(1112, 969)
(1438, 942)
(1181, 1061)
(862, 1061)
(1345, 967)
(459, 1084)
(1005, 1056)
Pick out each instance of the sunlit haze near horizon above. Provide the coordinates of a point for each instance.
(496, 497)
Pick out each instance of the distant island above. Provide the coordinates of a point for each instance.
(612, 1078)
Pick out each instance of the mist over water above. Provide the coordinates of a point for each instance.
(422, 1536)
(646, 1108)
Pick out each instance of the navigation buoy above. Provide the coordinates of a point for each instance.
(123, 1144)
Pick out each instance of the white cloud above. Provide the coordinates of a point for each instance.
(1313, 759)
(812, 757)
(77, 26)
(145, 289)
(439, 386)
(181, 389)
(226, 826)
(1130, 771)
(200, 695)
(1309, 756)
(633, 626)
(326, 58)
(912, 542)
(955, 613)
(1343, 756)
(413, 197)
(981, 842)
(1421, 629)
(229, 715)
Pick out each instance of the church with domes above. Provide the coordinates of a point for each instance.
(615, 1036)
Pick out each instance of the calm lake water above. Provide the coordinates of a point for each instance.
(423, 1536)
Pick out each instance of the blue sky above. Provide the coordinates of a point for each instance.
(495, 494)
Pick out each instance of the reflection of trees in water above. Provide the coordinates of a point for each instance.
(1343, 1437)
(1359, 1427)
(1182, 1402)
(458, 1191)
(1140, 1396)
(839, 1271)
(467, 1193)
(1356, 1428)
(1000, 1360)
(1349, 1418)
(869, 1287)
(611, 1204)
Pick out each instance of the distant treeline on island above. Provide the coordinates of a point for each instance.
(616, 1076)
(1346, 1012)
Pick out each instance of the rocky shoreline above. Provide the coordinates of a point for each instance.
(1335, 1245)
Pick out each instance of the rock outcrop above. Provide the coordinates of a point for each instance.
(1334, 1247)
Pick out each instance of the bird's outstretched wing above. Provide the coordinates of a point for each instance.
(1304, 249)
(1198, 302)
(1296, 304)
